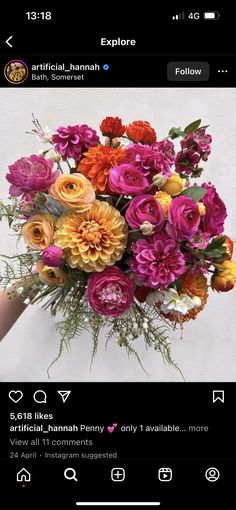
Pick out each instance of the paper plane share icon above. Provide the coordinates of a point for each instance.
(64, 395)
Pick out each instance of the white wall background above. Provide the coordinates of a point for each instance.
(208, 349)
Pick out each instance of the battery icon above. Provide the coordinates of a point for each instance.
(211, 15)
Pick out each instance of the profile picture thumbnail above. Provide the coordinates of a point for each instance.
(16, 72)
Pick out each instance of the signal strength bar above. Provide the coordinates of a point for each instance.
(181, 15)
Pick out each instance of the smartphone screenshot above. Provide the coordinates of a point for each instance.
(117, 258)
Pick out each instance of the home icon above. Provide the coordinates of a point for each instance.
(23, 476)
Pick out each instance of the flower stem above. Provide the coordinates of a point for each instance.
(118, 201)
(124, 207)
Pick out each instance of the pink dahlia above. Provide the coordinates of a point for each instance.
(145, 208)
(149, 159)
(110, 292)
(157, 261)
(31, 174)
(198, 141)
(186, 161)
(72, 141)
(213, 221)
(183, 218)
(125, 179)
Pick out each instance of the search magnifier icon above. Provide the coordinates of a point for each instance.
(70, 474)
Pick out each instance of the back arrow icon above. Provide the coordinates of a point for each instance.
(7, 41)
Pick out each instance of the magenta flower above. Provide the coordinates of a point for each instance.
(72, 141)
(200, 240)
(198, 141)
(213, 221)
(125, 179)
(145, 208)
(183, 218)
(53, 256)
(166, 147)
(186, 161)
(157, 261)
(110, 292)
(149, 159)
(31, 174)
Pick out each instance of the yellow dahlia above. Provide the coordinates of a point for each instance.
(73, 191)
(164, 199)
(38, 231)
(94, 239)
(97, 163)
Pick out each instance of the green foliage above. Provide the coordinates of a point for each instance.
(194, 192)
(192, 127)
(175, 133)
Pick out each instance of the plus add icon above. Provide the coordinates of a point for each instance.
(118, 474)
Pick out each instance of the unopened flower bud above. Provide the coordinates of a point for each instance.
(147, 228)
(202, 208)
(159, 180)
(196, 301)
(55, 156)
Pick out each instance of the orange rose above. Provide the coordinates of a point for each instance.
(73, 191)
(225, 278)
(141, 131)
(112, 127)
(97, 163)
(38, 231)
(50, 274)
(229, 245)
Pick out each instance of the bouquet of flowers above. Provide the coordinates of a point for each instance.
(116, 236)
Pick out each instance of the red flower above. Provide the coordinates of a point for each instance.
(112, 127)
(141, 131)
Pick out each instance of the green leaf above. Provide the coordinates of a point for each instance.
(193, 126)
(175, 132)
(216, 243)
(194, 192)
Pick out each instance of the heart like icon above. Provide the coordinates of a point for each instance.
(115, 425)
(15, 396)
(111, 429)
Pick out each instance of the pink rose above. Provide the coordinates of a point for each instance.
(53, 256)
(125, 179)
(183, 218)
(213, 221)
(110, 292)
(145, 208)
(31, 174)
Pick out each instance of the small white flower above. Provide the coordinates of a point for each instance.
(20, 290)
(173, 302)
(27, 301)
(154, 297)
(45, 136)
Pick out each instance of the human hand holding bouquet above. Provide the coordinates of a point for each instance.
(119, 237)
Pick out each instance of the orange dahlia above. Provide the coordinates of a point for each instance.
(193, 285)
(97, 163)
(94, 239)
(141, 131)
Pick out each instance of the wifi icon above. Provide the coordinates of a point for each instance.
(181, 15)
